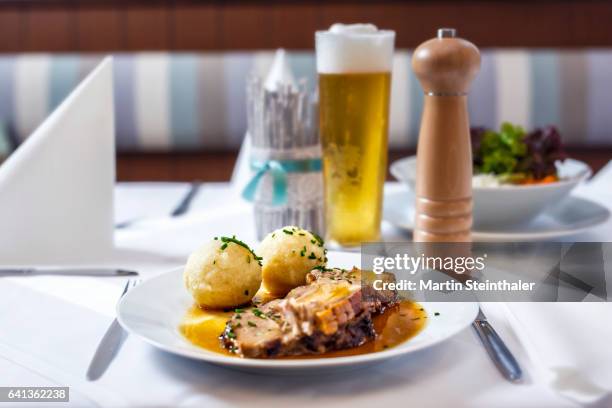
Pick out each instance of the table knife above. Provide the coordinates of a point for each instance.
(182, 207)
(67, 271)
(497, 349)
(110, 344)
(185, 203)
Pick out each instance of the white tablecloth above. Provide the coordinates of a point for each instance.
(50, 327)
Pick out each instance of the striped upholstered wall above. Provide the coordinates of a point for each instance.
(196, 101)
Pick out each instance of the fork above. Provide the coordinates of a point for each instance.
(110, 344)
(497, 349)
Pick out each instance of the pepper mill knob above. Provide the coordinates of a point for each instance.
(445, 67)
(446, 64)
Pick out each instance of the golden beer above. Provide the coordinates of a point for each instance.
(354, 65)
(354, 112)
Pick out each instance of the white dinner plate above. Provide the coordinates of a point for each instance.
(570, 216)
(153, 311)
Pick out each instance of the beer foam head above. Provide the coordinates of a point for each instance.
(347, 48)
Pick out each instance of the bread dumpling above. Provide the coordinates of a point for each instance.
(223, 273)
(289, 253)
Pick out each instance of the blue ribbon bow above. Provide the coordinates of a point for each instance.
(279, 170)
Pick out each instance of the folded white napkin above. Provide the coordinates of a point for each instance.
(51, 341)
(241, 175)
(569, 344)
(57, 187)
(599, 189)
(136, 201)
(176, 238)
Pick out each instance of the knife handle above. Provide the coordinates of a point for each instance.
(15, 272)
(498, 351)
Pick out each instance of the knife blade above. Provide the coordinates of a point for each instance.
(110, 344)
(106, 351)
(66, 271)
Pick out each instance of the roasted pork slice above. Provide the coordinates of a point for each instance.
(254, 332)
(328, 313)
(375, 300)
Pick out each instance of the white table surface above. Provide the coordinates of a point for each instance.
(50, 327)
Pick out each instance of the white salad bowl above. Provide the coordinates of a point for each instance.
(508, 204)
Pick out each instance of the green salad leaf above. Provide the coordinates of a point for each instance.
(514, 155)
(500, 152)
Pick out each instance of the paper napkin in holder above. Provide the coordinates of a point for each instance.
(56, 189)
(284, 153)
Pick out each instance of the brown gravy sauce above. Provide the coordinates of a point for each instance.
(396, 325)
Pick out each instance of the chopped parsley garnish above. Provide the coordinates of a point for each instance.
(238, 310)
(312, 256)
(320, 241)
(250, 323)
(288, 232)
(259, 313)
(227, 240)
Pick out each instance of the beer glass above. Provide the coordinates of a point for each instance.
(354, 66)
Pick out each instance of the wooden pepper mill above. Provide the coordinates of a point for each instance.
(445, 67)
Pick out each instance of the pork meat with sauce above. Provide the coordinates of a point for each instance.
(332, 311)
